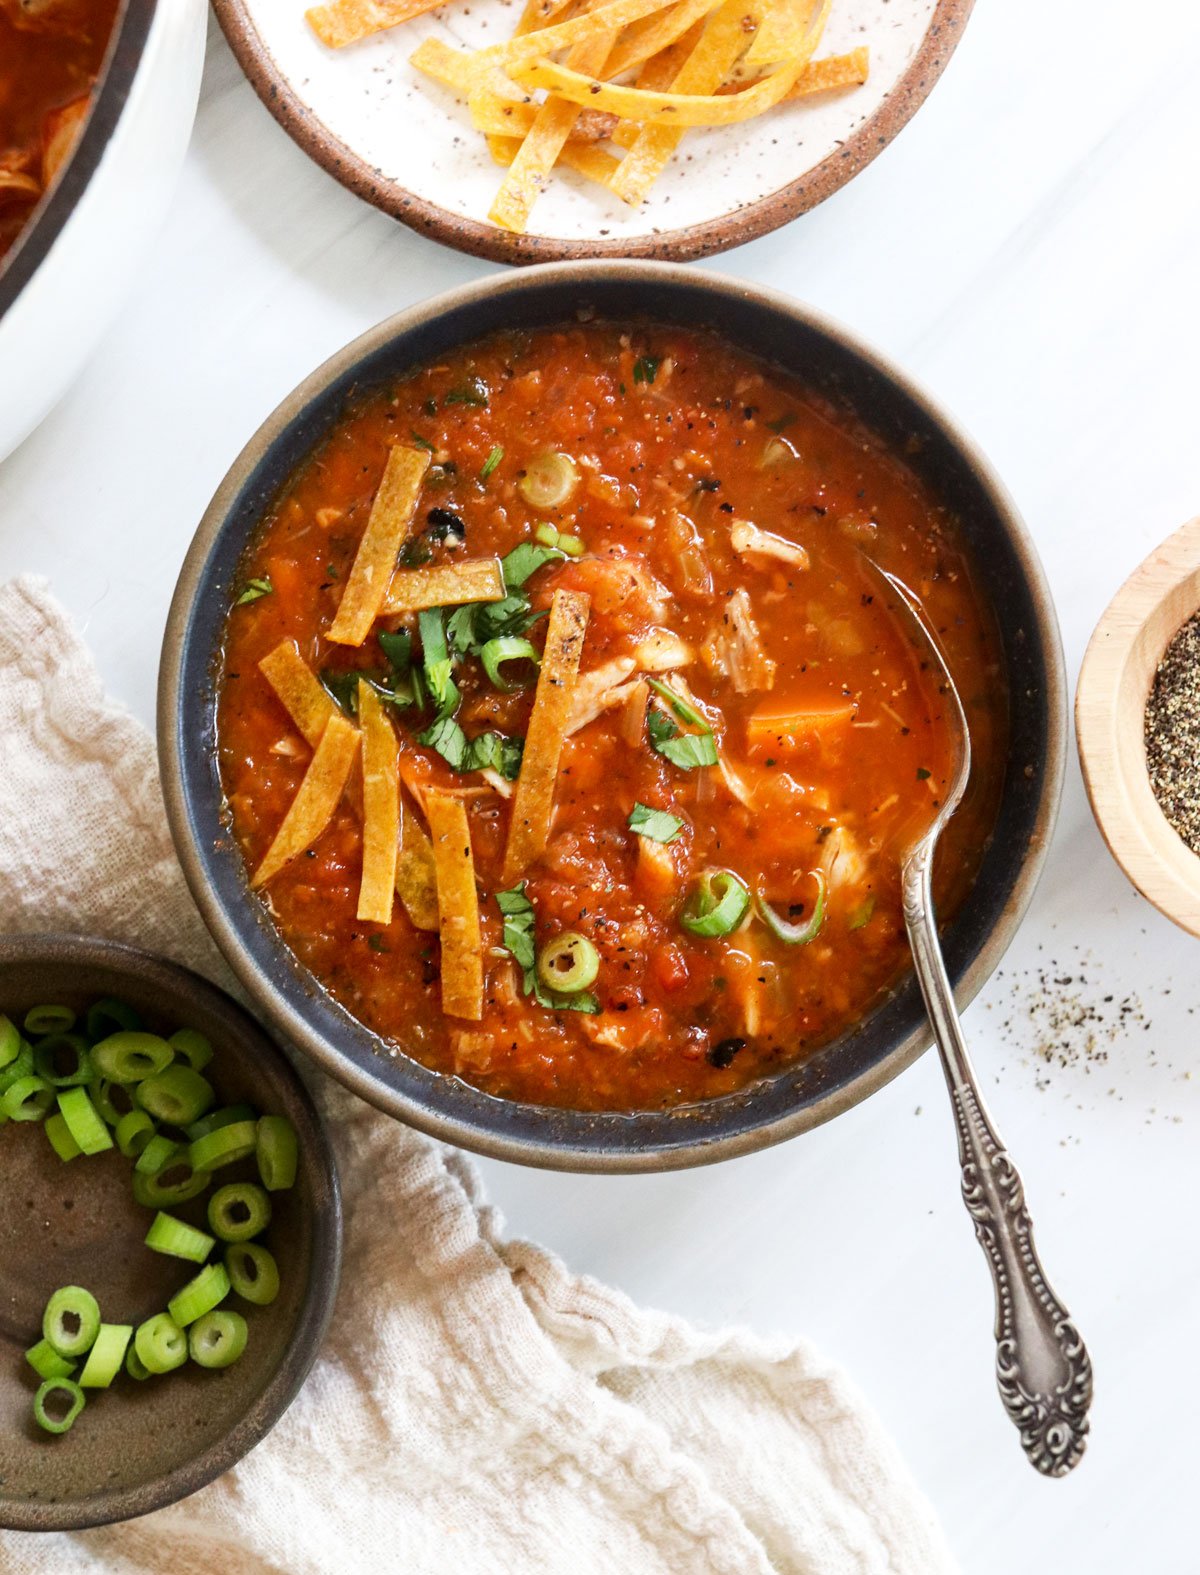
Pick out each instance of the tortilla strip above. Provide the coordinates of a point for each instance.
(316, 798)
(391, 516)
(381, 809)
(416, 876)
(435, 59)
(783, 29)
(344, 22)
(653, 34)
(529, 172)
(719, 45)
(585, 158)
(298, 690)
(659, 109)
(458, 906)
(446, 585)
(533, 803)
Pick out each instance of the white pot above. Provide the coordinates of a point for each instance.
(63, 282)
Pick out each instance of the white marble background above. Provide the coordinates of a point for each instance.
(1029, 247)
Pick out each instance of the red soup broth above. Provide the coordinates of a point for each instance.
(51, 52)
(832, 753)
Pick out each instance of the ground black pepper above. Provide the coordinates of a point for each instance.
(1173, 733)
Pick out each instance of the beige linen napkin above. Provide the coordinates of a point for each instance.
(477, 1408)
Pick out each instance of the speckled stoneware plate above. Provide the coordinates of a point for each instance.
(407, 145)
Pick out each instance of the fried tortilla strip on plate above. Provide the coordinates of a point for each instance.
(533, 802)
(344, 22)
(529, 172)
(391, 516)
(316, 798)
(444, 585)
(458, 906)
(381, 808)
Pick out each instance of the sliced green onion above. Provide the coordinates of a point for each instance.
(548, 536)
(220, 1118)
(49, 1020)
(253, 1272)
(63, 1060)
(177, 1239)
(84, 1120)
(134, 1132)
(178, 1096)
(157, 1154)
(106, 1356)
(161, 1344)
(28, 1099)
(134, 1365)
(71, 1321)
(61, 1141)
(568, 963)
(110, 1016)
(548, 480)
(239, 1211)
(278, 1153)
(112, 1100)
(175, 1184)
(47, 1363)
(494, 457)
(797, 934)
(507, 648)
(129, 1056)
(217, 1339)
(56, 1405)
(225, 1146)
(200, 1295)
(10, 1041)
(717, 905)
(193, 1047)
(21, 1067)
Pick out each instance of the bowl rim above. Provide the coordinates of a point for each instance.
(285, 1383)
(1109, 736)
(126, 48)
(585, 1151)
(945, 28)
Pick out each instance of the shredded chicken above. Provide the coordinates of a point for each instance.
(661, 650)
(845, 863)
(749, 540)
(734, 649)
(496, 782)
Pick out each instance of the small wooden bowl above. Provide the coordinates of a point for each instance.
(1110, 702)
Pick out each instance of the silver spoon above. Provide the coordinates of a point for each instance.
(1042, 1365)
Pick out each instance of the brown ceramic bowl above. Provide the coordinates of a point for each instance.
(139, 1446)
(829, 359)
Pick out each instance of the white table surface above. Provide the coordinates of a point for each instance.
(1029, 248)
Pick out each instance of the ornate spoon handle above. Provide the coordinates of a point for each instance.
(1042, 1365)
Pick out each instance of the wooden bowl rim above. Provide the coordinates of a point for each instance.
(1137, 832)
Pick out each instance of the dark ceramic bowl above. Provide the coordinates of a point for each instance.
(137, 1447)
(834, 1078)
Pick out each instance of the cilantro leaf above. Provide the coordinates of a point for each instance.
(397, 648)
(645, 368)
(525, 560)
(490, 751)
(657, 824)
(689, 750)
(436, 660)
(254, 589)
(660, 727)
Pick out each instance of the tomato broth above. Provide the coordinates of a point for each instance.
(51, 52)
(716, 515)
